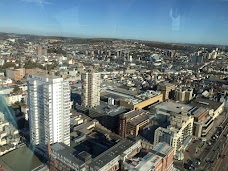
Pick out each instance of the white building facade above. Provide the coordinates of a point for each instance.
(49, 110)
(90, 89)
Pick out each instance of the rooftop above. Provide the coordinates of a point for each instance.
(174, 107)
(166, 84)
(129, 96)
(42, 75)
(206, 103)
(198, 112)
(148, 162)
(66, 152)
(134, 113)
(163, 148)
(111, 110)
(139, 119)
(111, 153)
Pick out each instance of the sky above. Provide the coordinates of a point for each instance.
(183, 21)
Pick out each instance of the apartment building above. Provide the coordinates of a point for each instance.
(90, 88)
(165, 89)
(15, 74)
(49, 110)
(179, 133)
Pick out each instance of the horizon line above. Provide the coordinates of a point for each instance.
(128, 39)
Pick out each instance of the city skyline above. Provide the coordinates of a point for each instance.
(174, 21)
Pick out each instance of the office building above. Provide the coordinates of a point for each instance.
(90, 88)
(49, 110)
(131, 122)
(131, 100)
(165, 89)
(203, 122)
(215, 108)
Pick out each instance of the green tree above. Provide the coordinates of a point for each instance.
(9, 64)
(16, 90)
(32, 65)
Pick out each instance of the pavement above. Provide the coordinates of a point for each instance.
(221, 163)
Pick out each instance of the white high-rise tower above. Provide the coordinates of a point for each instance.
(90, 88)
(49, 110)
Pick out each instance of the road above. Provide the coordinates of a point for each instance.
(221, 163)
(213, 154)
(203, 151)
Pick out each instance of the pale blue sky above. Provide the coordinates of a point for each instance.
(193, 21)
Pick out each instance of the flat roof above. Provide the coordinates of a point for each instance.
(148, 162)
(111, 110)
(66, 152)
(166, 84)
(134, 113)
(43, 75)
(163, 148)
(174, 107)
(110, 154)
(129, 96)
(199, 111)
(206, 103)
(138, 120)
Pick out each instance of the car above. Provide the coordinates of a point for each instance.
(197, 163)
(207, 160)
(204, 139)
(198, 159)
(189, 161)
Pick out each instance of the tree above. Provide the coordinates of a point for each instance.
(16, 90)
(32, 65)
(9, 64)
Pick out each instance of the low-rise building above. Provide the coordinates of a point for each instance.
(11, 99)
(215, 108)
(203, 122)
(63, 157)
(9, 136)
(159, 158)
(133, 101)
(15, 74)
(168, 108)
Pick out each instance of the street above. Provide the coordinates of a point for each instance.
(210, 153)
